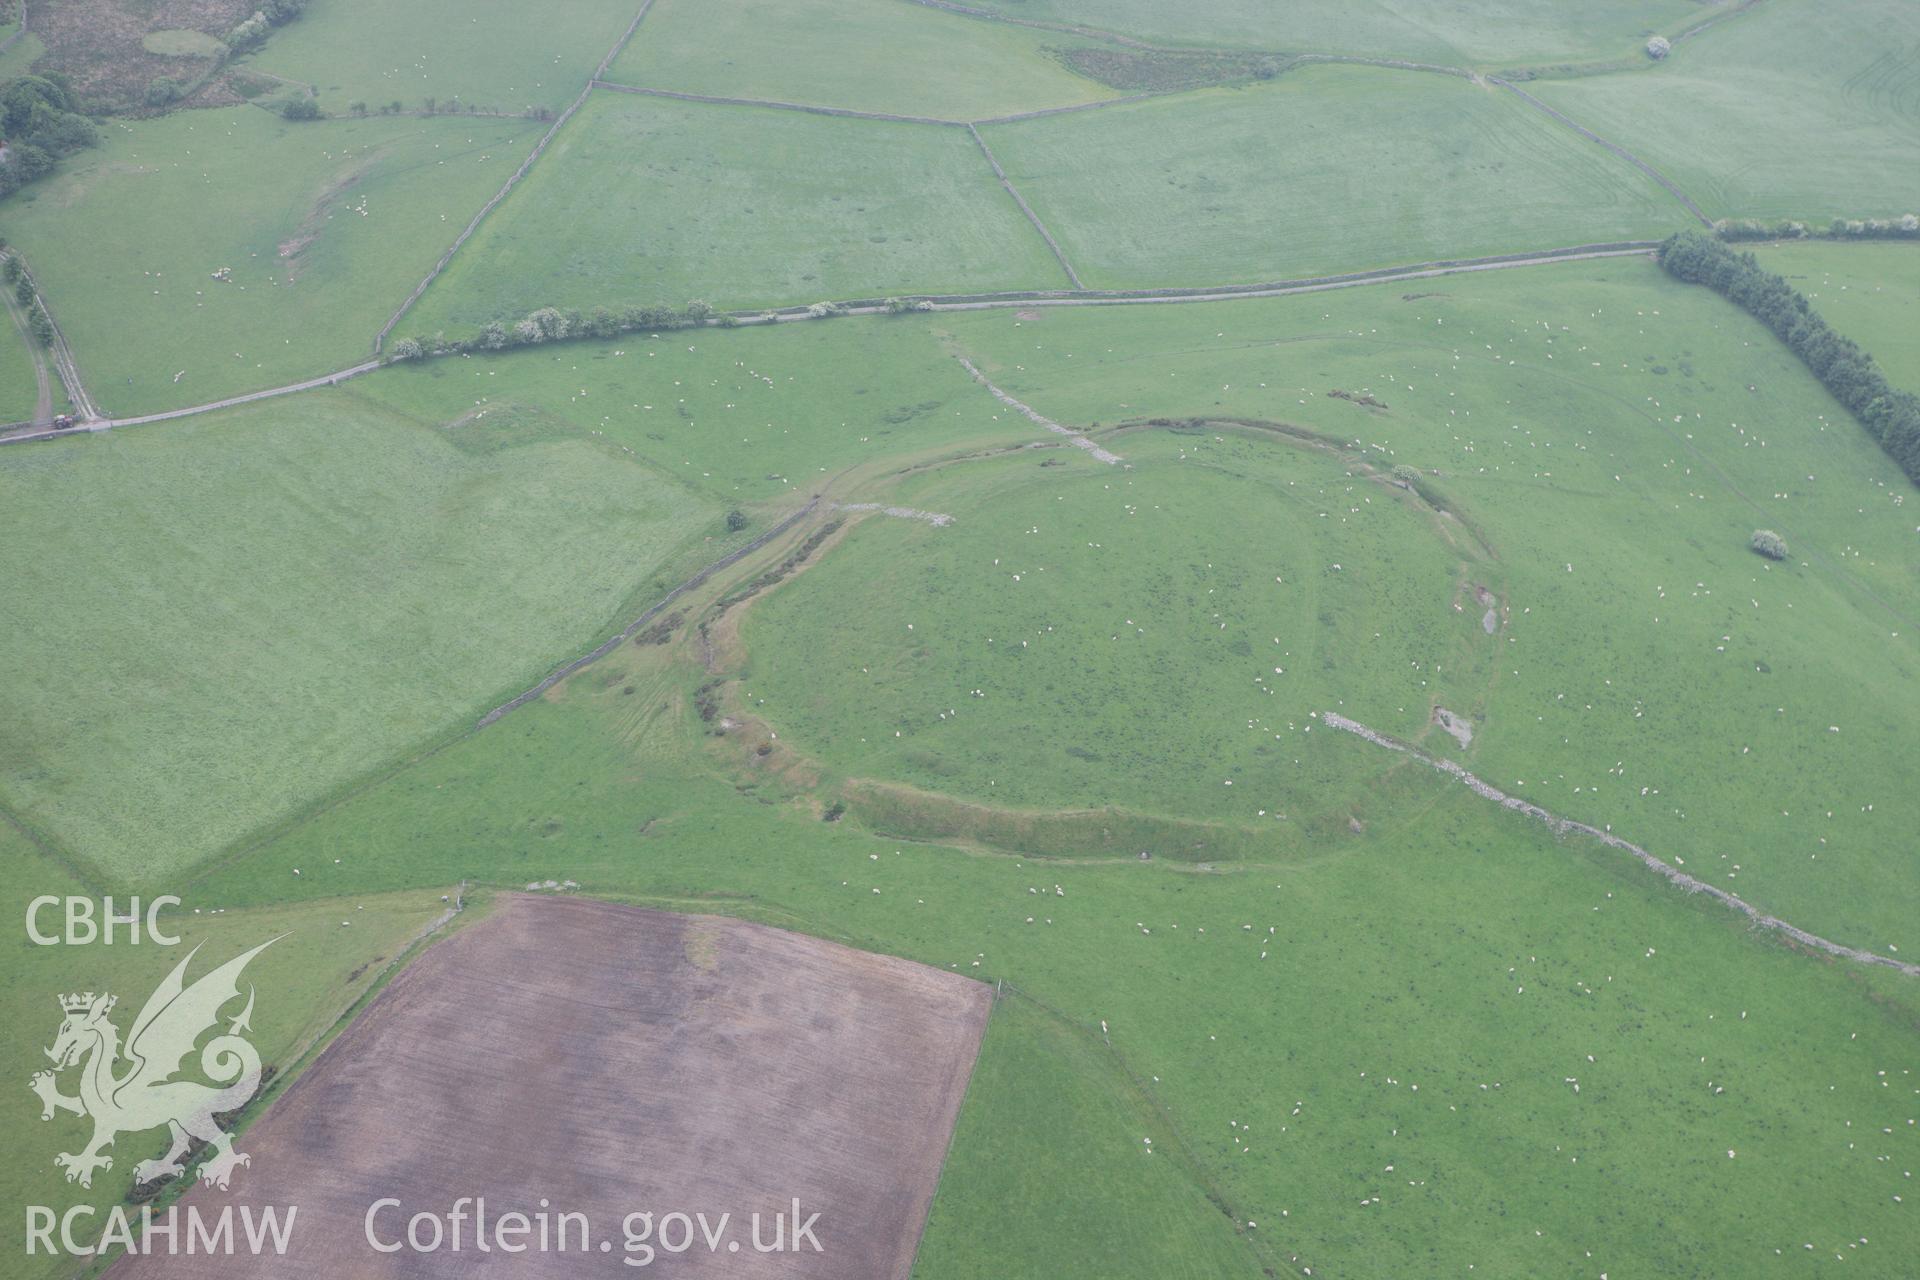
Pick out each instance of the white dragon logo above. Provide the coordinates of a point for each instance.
(146, 1096)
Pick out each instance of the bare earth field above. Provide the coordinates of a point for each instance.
(611, 1060)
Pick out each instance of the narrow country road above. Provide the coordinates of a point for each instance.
(324, 380)
(944, 302)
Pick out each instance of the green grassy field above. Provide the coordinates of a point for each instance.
(332, 952)
(490, 54)
(1869, 291)
(1446, 31)
(758, 415)
(1362, 1050)
(326, 227)
(253, 609)
(1398, 1018)
(1348, 1018)
(646, 200)
(1047, 1103)
(1268, 1015)
(870, 55)
(1796, 109)
(1327, 169)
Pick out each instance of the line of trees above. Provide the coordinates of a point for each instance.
(38, 322)
(551, 324)
(1905, 227)
(1891, 417)
(454, 107)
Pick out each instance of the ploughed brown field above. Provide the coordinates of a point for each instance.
(614, 1060)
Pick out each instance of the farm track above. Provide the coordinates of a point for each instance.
(1714, 20)
(847, 113)
(63, 363)
(965, 302)
(1563, 826)
(1064, 28)
(43, 397)
(1078, 440)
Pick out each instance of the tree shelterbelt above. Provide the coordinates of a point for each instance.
(1890, 416)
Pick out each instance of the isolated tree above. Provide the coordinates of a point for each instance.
(13, 270)
(301, 109)
(66, 134)
(248, 33)
(1769, 544)
(41, 326)
(23, 291)
(408, 349)
(550, 324)
(736, 520)
(358, 108)
(25, 162)
(27, 102)
(1659, 47)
